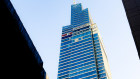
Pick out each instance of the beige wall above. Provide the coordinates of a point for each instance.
(106, 64)
(47, 76)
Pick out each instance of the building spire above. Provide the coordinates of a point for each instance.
(74, 2)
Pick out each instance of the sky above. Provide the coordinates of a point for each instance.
(44, 19)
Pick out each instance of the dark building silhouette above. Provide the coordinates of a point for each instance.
(20, 59)
(132, 8)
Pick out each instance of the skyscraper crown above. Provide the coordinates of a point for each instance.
(79, 16)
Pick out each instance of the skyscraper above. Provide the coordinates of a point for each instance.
(133, 14)
(82, 54)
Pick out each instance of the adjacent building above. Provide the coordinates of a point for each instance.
(132, 8)
(19, 57)
(82, 54)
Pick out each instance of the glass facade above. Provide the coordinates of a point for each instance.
(81, 50)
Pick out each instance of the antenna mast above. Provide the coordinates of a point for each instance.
(74, 2)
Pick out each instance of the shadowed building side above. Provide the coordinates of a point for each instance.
(20, 57)
(132, 8)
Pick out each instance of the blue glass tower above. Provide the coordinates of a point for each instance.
(82, 54)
